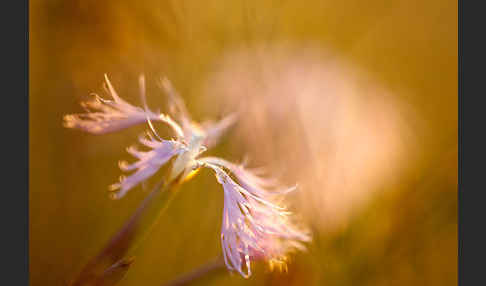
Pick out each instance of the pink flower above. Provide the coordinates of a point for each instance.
(255, 225)
(111, 116)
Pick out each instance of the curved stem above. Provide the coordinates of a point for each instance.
(204, 270)
(113, 261)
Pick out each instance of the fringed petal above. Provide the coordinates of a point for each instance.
(213, 131)
(256, 185)
(148, 163)
(253, 226)
(105, 116)
(177, 107)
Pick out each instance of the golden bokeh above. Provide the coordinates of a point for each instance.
(356, 101)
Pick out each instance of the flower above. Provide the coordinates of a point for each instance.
(118, 114)
(255, 225)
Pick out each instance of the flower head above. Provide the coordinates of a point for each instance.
(114, 115)
(255, 225)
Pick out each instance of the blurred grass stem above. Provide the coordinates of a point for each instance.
(209, 268)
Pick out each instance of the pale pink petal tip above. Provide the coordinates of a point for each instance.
(105, 116)
(214, 130)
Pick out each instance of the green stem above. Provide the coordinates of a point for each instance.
(113, 261)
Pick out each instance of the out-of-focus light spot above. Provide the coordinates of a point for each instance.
(318, 121)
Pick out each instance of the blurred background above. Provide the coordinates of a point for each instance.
(356, 101)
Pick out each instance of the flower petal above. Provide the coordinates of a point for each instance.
(253, 226)
(254, 184)
(148, 164)
(106, 116)
(213, 131)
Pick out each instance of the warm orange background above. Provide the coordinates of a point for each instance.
(355, 100)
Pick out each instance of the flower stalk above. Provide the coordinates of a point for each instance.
(113, 261)
(209, 268)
